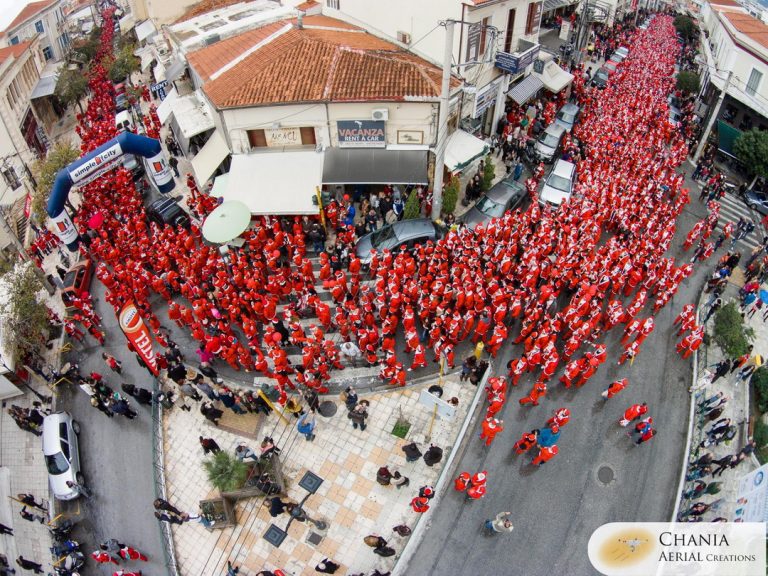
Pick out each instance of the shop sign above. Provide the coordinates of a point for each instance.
(517, 62)
(410, 137)
(361, 134)
(282, 137)
(486, 97)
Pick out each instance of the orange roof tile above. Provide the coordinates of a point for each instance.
(16, 50)
(29, 11)
(724, 3)
(751, 27)
(308, 5)
(317, 64)
(204, 7)
(207, 60)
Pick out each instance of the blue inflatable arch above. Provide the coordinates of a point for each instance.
(96, 163)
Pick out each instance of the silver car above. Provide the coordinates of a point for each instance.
(403, 234)
(62, 456)
(567, 116)
(548, 144)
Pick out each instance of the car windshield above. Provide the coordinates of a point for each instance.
(549, 140)
(383, 235)
(568, 117)
(489, 207)
(56, 464)
(559, 183)
(602, 74)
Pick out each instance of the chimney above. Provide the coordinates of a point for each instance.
(300, 20)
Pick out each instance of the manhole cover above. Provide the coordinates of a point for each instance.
(314, 538)
(605, 474)
(327, 409)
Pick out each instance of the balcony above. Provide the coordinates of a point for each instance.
(518, 61)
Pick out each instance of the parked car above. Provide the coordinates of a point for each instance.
(408, 233)
(168, 211)
(623, 51)
(757, 200)
(549, 143)
(505, 195)
(61, 453)
(77, 279)
(617, 57)
(567, 116)
(558, 185)
(600, 78)
(610, 67)
(121, 102)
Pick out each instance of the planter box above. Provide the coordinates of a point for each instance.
(221, 511)
(253, 487)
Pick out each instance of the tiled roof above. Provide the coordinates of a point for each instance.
(320, 64)
(29, 11)
(724, 3)
(308, 5)
(16, 50)
(204, 7)
(210, 59)
(751, 27)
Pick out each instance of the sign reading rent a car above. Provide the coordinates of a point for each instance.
(361, 134)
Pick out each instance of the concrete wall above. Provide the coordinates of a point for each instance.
(162, 11)
(50, 36)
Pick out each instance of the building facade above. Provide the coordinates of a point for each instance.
(46, 20)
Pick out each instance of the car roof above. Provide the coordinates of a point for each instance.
(563, 168)
(555, 129)
(414, 227)
(602, 72)
(570, 107)
(505, 190)
(51, 441)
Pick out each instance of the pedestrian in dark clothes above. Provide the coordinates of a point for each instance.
(177, 372)
(433, 455)
(142, 395)
(170, 518)
(208, 371)
(5, 530)
(209, 445)
(277, 506)
(721, 369)
(749, 447)
(211, 413)
(29, 517)
(327, 566)
(25, 564)
(726, 462)
(164, 505)
(174, 164)
(29, 500)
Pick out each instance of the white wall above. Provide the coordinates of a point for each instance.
(420, 116)
(50, 35)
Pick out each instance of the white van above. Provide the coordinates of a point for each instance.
(124, 121)
(559, 184)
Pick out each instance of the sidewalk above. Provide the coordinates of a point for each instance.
(350, 499)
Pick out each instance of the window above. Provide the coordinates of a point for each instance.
(260, 139)
(484, 35)
(476, 39)
(532, 21)
(333, 4)
(39, 26)
(754, 81)
(48, 53)
(14, 40)
(510, 31)
(11, 180)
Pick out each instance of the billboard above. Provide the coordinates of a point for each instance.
(361, 134)
(138, 334)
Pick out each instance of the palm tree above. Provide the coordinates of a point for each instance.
(225, 472)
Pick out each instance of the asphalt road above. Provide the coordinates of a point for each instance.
(117, 456)
(556, 507)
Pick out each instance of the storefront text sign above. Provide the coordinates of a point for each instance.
(281, 137)
(361, 134)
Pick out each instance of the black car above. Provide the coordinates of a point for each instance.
(168, 211)
(600, 79)
(506, 195)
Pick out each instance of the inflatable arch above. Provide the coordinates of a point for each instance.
(96, 163)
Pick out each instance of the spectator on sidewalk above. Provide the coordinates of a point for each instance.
(5, 530)
(25, 564)
(243, 451)
(165, 506)
(209, 446)
(726, 462)
(212, 414)
(721, 369)
(30, 517)
(29, 500)
(327, 566)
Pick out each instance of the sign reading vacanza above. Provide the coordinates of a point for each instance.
(361, 134)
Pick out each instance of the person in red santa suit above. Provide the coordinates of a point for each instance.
(491, 427)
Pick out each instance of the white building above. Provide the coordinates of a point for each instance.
(735, 46)
(44, 19)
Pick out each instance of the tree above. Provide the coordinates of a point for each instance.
(752, 149)
(412, 206)
(685, 26)
(759, 383)
(688, 82)
(71, 86)
(450, 195)
(45, 170)
(23, 315)
(489, 173)
(124, 64)
(730, 333)
(225, 472)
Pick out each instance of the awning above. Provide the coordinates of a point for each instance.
(276, 183)
(550, 5)
(146, 54)
(145, 30)
(374, 166)
(525, 89)
(210, 157)
(175, 70)
(127, 23)
(164, 110)
(726, 136)
(554, 77)
(158, 72)
(462, 149)
(44, 87)
(220, 184)
(192, 115)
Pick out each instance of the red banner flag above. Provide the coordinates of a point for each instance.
(138, 334)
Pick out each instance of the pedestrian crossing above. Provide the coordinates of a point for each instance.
(732, 207)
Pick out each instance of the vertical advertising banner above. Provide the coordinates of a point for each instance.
(161, 172)
(138, 334)
(64, 228)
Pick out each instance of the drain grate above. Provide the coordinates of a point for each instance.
(605, 474)
(314, 538)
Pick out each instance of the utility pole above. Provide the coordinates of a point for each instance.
(712, 118)
(442, 122)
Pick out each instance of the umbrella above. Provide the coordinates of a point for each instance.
(226, 222)
(96, 220)
(764, 296)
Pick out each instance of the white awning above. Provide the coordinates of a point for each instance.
(145, 30)
(554, 77)
(220, 184)
(127, 23)
(146, 54)
(210, 157)
(276, 183)
(158, 72)
(192, 115)
(44, 87)
(523, 90)
(164, 110)
(462, 148)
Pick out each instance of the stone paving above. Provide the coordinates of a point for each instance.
(350, 499)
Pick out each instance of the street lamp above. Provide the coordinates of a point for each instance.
(311, 483)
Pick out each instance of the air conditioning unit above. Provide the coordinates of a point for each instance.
(380, 114)
(403, 37)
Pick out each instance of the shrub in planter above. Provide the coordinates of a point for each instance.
(489, 173)
(450, 195)
(760, 386)
(225, 472)
(730, 334)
